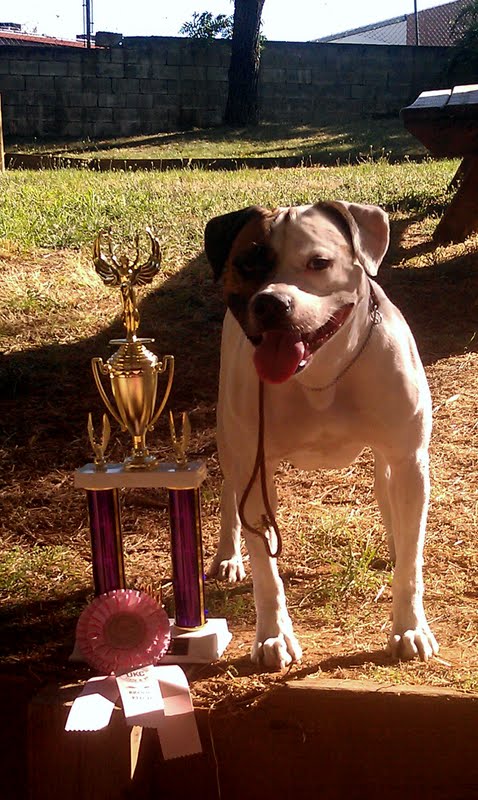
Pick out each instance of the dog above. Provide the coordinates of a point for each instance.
(339, 370)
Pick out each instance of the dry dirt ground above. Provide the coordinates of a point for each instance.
(334, 562)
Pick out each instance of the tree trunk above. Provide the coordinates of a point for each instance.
(242, 102)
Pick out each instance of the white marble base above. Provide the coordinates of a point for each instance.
(166, 475)
(202, 646)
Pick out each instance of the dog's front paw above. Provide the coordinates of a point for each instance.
(276, 652)
(412, 642)
(227, 569)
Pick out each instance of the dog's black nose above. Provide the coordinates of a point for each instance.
(271, 307)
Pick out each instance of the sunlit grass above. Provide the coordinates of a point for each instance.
(29, 574)
(65, 209)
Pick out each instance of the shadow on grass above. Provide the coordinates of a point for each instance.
(345, 141)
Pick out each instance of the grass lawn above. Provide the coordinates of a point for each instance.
(347, 141)
(55, 315)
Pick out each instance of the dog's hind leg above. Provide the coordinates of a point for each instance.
(381, 489)
(227, 563)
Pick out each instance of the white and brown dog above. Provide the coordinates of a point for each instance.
(341, 372)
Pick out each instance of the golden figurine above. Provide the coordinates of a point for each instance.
(99, 446)
(133, 369)
(180, 444)
(119, 272)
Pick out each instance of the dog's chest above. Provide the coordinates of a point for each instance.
(313, 439)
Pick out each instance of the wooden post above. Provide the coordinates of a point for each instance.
(2, 151)
(461, 217)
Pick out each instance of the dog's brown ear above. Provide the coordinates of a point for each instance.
(220, 233)
(369, 229)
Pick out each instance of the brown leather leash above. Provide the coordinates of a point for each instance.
(268, 519)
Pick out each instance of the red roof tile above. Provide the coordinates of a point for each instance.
(28, 39)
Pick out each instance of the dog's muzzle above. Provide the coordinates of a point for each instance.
(282, 350)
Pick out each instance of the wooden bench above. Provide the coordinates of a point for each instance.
(446, 122)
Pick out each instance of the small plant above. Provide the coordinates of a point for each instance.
(346, 570)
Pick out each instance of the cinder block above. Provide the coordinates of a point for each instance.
(139, 101)
(156, 86)
(103, 129)
(116, 55)
(111, 100)
(74, 68)
(126, 85)
(273, 76)
(142, 70)
(68, 84)
(14, 82)
(167, 72)
(24, 67)
(73, 130)
(100, 84)
(128, 127)
(12, 99)
(53, 68)
(110, 70)
(82, 99)
(216, 74)
(69, 54)
(193, 73)
(101, 115)
(358, 92)
(72, 114)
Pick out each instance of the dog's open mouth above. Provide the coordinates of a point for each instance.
(279, 354)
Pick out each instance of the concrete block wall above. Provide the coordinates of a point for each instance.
(311, 82)
(160, 84)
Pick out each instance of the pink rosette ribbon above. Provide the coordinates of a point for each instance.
(123, 630)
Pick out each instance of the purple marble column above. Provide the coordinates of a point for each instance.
(106, 539)
(186, 554)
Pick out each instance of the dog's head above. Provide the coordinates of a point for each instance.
(293, 276)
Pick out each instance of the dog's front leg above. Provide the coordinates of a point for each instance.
(408, 489)
(227, 563)
(275, 644)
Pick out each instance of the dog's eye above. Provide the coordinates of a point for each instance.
(257, 261)
(317, 263)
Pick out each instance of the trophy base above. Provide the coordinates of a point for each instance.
(202, 646)
(140, 462)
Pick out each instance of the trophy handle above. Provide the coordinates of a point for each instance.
(97, 366)
(168, 362)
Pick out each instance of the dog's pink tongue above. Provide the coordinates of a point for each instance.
(278, 355)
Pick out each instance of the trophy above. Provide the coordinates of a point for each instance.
(133, 375)
(133, 370)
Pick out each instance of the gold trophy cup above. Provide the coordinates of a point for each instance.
(133, 369)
